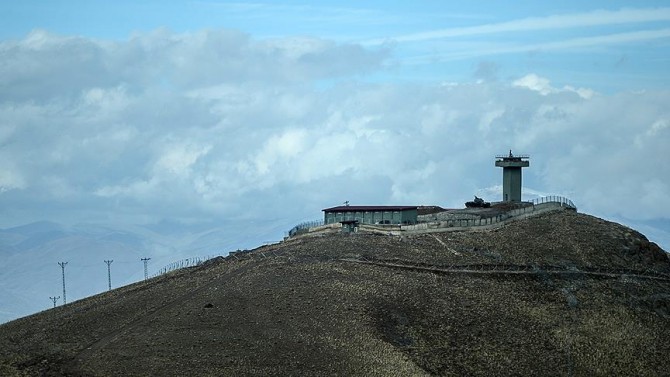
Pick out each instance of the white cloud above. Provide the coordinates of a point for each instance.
(43, 64)
(214, 125)
(178, 158)
(661, 125)
(278, 148)
(542, 86)
(600, 40)
(564, 21)
(536, 83)
(10, 179)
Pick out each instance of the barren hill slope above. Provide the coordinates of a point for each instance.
(557, 294)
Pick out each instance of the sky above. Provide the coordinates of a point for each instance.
(204, 112)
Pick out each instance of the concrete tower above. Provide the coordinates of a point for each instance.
(512, 175)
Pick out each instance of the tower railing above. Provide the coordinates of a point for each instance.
(502, 156)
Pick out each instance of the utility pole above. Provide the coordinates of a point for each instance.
(146, 273)
(62, 266)
(54, 299)
(109, 274)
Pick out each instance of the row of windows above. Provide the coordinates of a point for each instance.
(371, 217)
(365, 213)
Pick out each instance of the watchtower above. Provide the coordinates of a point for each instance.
(512, 165)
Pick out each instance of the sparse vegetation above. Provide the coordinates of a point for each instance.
(299, 308)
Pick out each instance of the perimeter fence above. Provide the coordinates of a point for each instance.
(304, 227)
(534, 205)
(563, 201)
(184, 263)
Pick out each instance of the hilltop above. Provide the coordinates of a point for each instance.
(558, 293)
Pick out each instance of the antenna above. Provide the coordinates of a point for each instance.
(54, 299)
(62, 266)
(146, 274)
(109, 274)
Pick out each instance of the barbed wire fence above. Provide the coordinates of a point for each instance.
(304, 227)
(185, 263)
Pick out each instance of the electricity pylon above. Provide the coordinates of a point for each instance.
(146, 272)
(54, 299)
(62, 266)
(109, 274)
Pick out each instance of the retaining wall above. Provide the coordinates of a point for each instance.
(485, 223)
(452, 223)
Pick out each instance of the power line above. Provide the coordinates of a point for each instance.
(54, 299)
(62, 265)
(109, 274)
(146, 272)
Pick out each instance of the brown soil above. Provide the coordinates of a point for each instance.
(593, 299)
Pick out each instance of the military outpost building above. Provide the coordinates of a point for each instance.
(347, 214)
(512, 165)
(351, 216)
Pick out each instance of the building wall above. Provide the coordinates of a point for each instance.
(512, 184)
(373, 217)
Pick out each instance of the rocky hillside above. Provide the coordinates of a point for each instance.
(557, 294)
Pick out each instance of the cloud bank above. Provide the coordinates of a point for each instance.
(218, 125)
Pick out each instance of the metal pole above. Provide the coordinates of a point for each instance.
(62, 265)
(54, 299)
(146, 273)
(109, 274)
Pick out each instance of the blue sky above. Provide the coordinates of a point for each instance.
(588, 42)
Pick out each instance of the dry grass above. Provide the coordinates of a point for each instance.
(303, 311)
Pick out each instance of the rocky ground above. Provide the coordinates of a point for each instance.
(557, 294)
